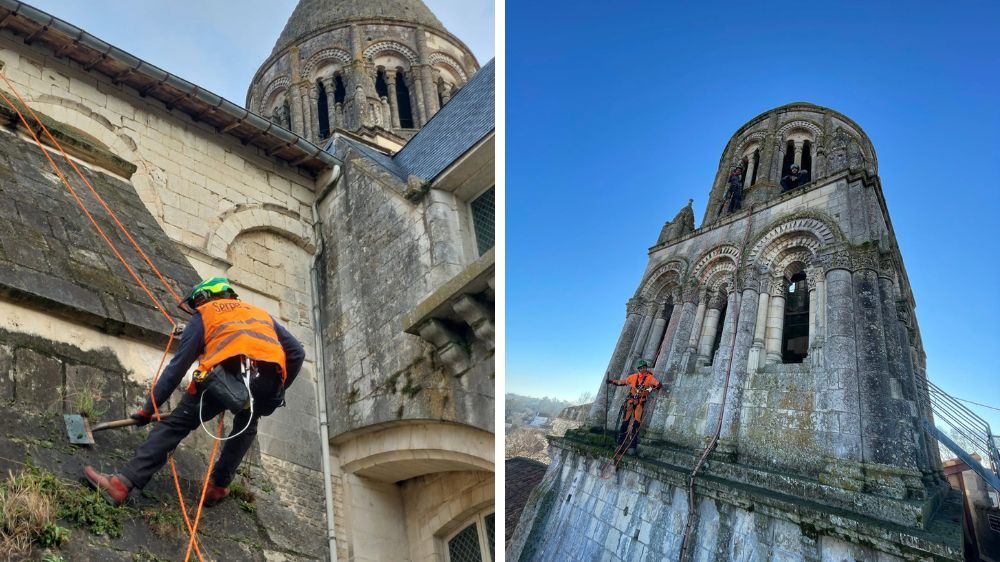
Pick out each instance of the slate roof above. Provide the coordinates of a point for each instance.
(467, 117)
(314, 15)
(521, 475)
(52, 258)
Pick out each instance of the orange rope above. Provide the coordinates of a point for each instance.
(192, 528)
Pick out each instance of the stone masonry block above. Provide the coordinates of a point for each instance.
(38, 380)
(6, 374)
(86, 385)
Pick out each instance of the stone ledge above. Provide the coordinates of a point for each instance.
(936, 540)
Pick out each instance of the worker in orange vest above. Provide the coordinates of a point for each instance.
(640, 384)
(229, 338)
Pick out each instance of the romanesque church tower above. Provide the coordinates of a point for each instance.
(784, 325)
(377, 67)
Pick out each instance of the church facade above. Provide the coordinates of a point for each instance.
(784, 329)
(352, 199)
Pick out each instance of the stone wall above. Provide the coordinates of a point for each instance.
(640, 511)
(229, 209)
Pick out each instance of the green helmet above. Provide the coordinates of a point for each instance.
(212, 288)
(642, 363)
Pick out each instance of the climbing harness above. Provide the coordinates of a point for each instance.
(191, 526)
(692, 508)
(247, 368)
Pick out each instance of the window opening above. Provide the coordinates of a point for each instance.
(795, 334)
(380, 86)
(339, 91)
(483, 220)
(718, 332)
(756, 168)
(403, 101)
(786, 163)
(806, 162)
(746, 166)
(322, 110)
(476, 541)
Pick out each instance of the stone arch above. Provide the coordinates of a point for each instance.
(801, 124)
(671, 272)
(277, 86)
(403, 450)
(719, 276)
(439, 58)
(710, 258)
(807, 231)
(321, 57)
(403, 50)
(250, 219)
(756, 137)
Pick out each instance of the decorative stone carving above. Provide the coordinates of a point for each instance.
(395, 46)
(749, 277)
(634, 306)
(691, 291)
(718, 299)
(865, 258)
(452, 64)
(319, 57)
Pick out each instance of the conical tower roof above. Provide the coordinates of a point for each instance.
(314, 15)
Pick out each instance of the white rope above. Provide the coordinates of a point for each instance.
(245, 369)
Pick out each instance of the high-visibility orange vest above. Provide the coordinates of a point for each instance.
(236, 328)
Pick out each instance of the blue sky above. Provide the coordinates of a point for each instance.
(617, 113)
(220, 44)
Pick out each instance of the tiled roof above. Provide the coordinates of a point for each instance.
(522, 475)
(458, 126)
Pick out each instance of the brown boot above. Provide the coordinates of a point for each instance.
(114, 488)
(215, 494)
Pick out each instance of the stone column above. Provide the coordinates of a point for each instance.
(756, 356)
(430, 90)
(713, 315)
(839, 390)
(775, 321)
(329, 84)
(298, 119)
(751, 166)
(314, 109)
(386, 113)
(798, 152)
(778, 160)
(633, 318)
(650, 352)
(663, 353)
(639, 341)
(390, 84)
(745, 327)
(691, 350)
(417, 98)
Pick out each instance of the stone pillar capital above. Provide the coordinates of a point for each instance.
(691, 292)
(840, 259)
(777, 286)
(718, 300)
(634, 306)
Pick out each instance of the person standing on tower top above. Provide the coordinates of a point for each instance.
(640, 384)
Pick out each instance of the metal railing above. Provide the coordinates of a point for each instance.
(966, 426)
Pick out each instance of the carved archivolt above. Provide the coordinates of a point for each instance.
(339, 55)
(381, 46)
(807, 232)
(275, 87)
(757, 137)
(441, 58)
(724, 253)
(669, 273)
(815, 130)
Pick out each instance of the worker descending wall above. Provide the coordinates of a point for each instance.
(784, 328)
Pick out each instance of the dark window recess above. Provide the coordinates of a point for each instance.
(718, 332)
(322, 110)
(795, 335)
(339, 91)
(746, 166)
(756, 169)
(403, 102)
(380, 86)
(464, 547)
(786, 164)
(484, 219)
(807, 160)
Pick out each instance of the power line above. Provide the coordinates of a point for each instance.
(976, 403)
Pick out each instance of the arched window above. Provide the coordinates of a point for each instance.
(795, 334)
(322, 110)
(756, 168)
(403, 101)
(718, 332)
(339, 91)
(475, 542)
(807, 160)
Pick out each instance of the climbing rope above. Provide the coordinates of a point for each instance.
(192, 527)
(725, 392)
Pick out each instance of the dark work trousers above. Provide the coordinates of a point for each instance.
(166, 435)
(629, 413)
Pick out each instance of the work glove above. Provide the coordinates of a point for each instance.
(141, 417)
